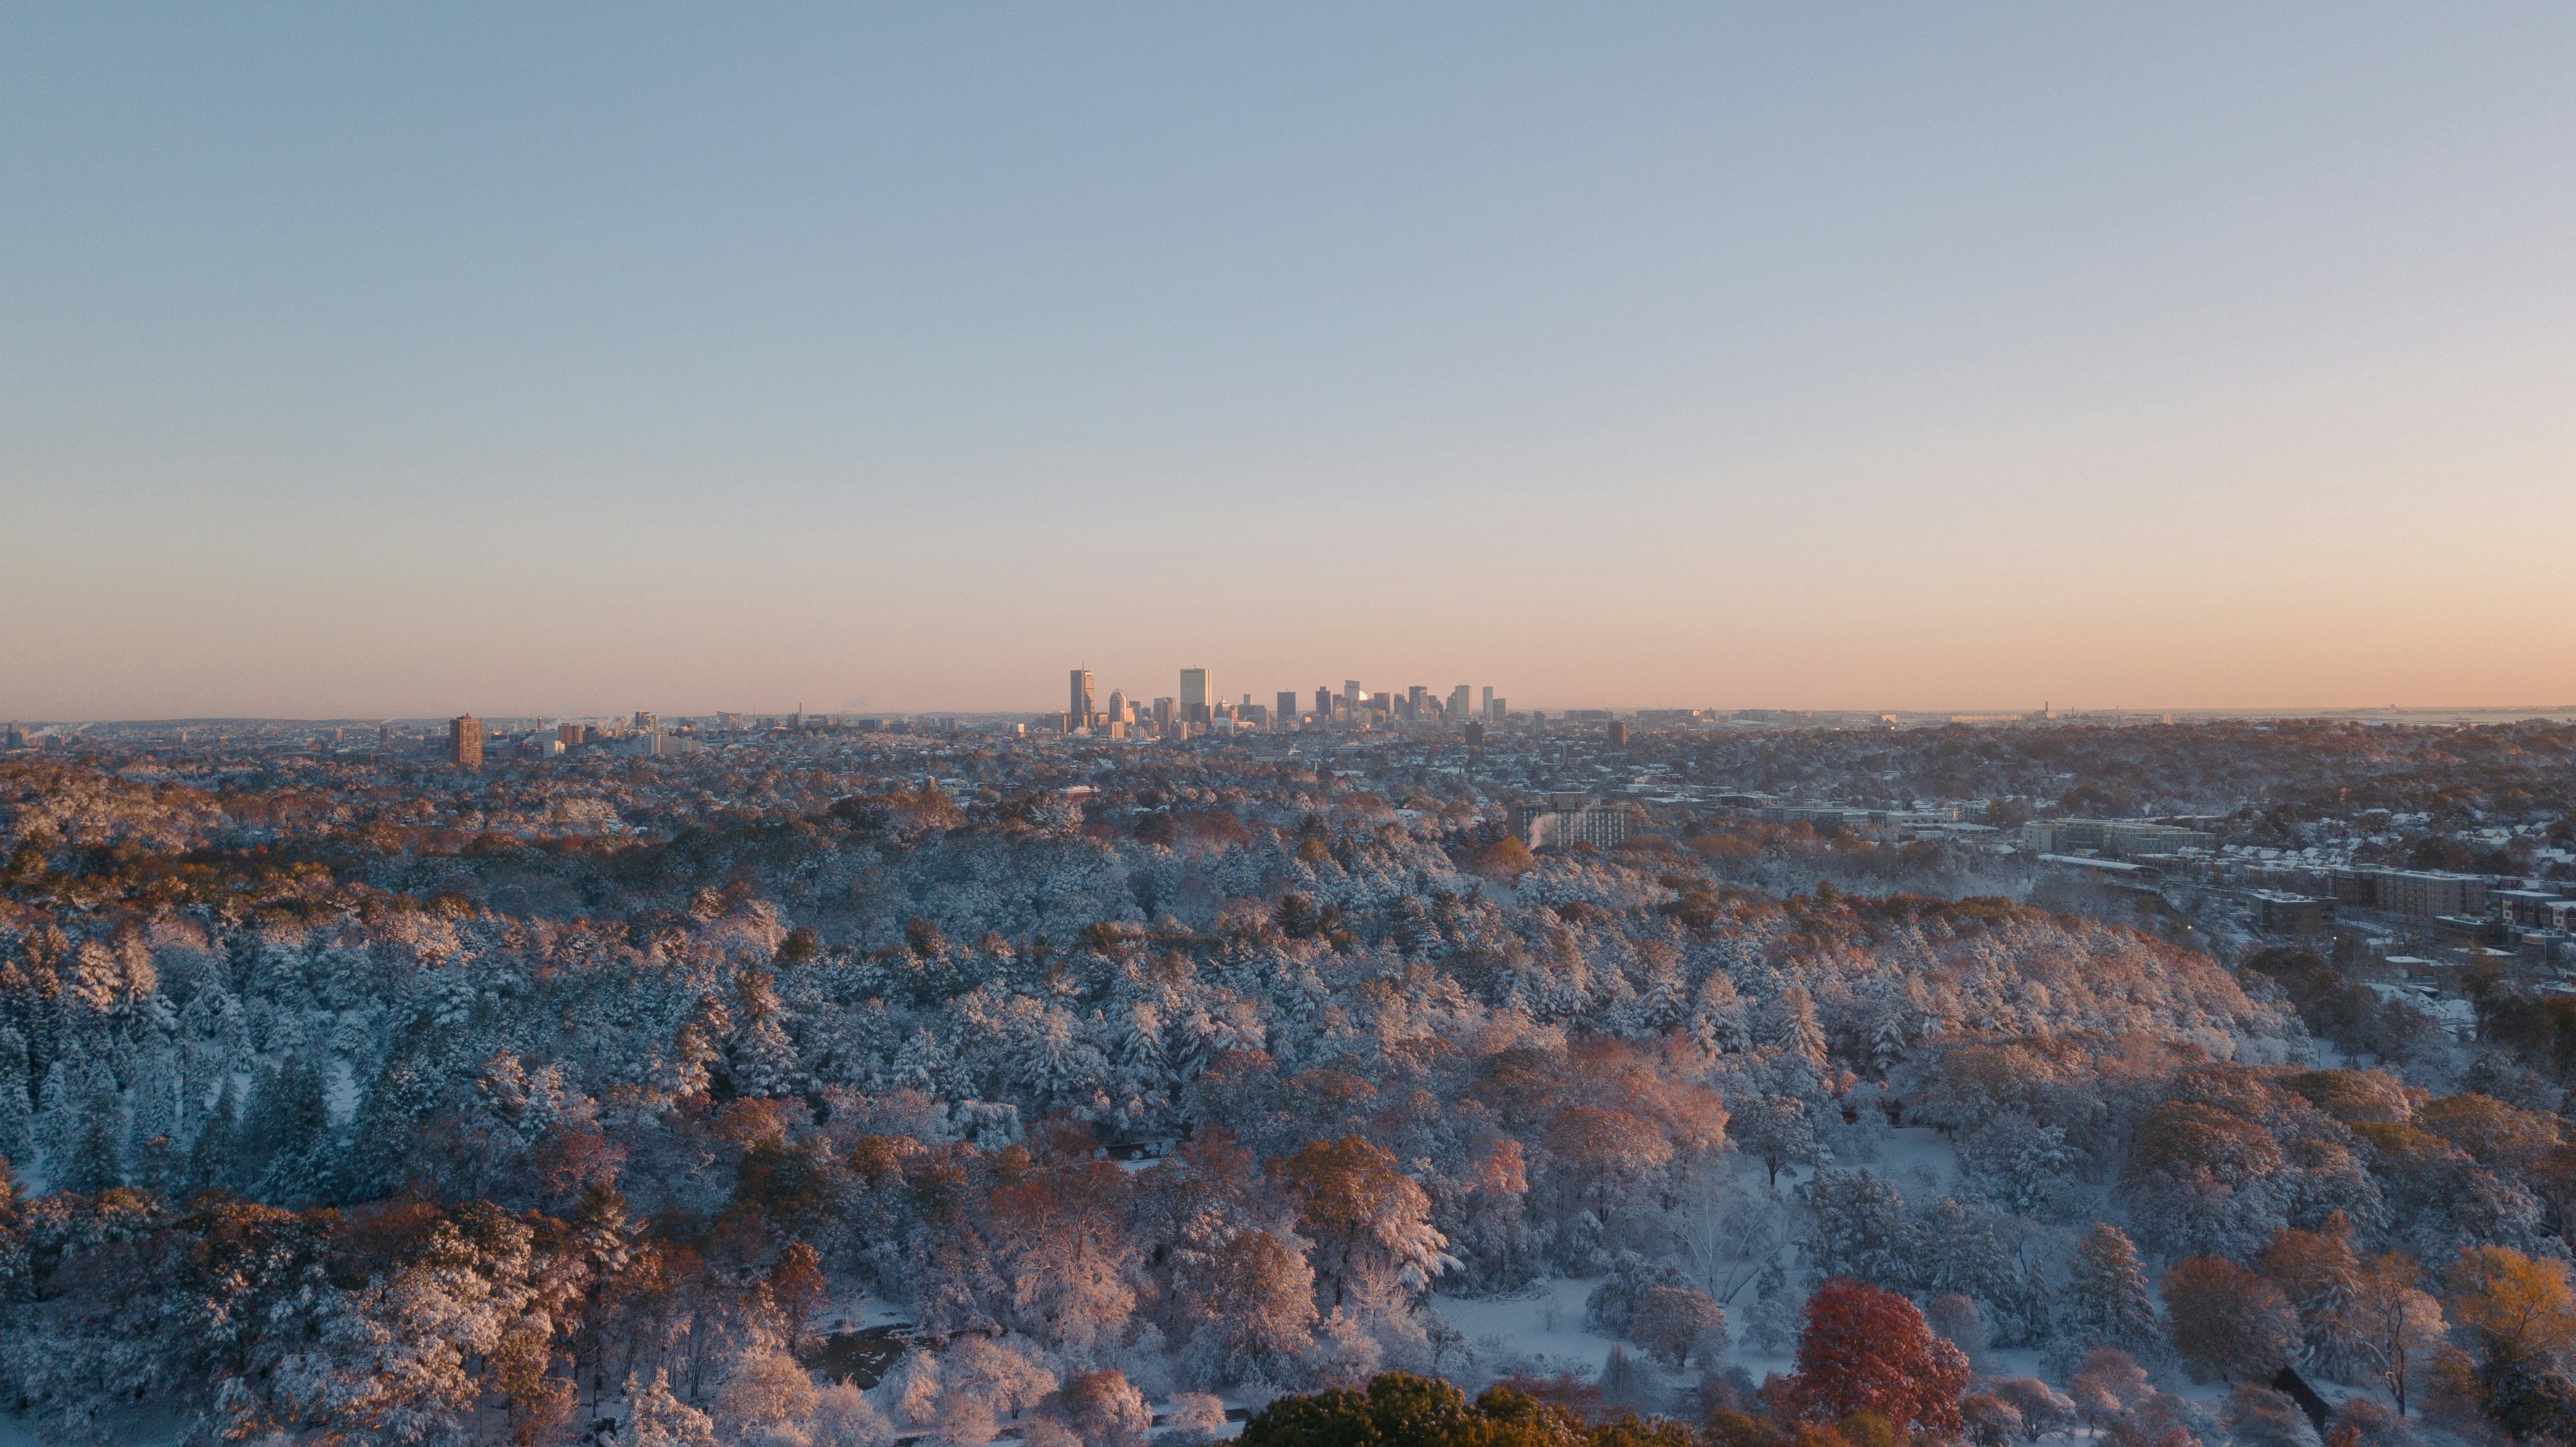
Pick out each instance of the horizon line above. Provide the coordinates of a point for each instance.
(1966, 715)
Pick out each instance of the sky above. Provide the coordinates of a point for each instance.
(399, 360)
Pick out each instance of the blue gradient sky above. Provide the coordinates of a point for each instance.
(364, 360)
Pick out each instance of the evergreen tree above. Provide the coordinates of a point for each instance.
(763, 1057)
(17, 1113)
(57, 1120)
(1858, 1230)
(1794, 1027)
(2024, 1167)
(294, 1126)
(80, 1130)
(97, 1159)
(152, 1127)
(1717, 1018)
(1779, 1130)
(386, 1133)
(213, 1161)
(2107, 1299)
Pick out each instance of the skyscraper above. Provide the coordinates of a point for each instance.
(1194, 696)
(1489, 701)
(465, 741)
(1352, 697)
(1458, 698)
(1324, 704)
(1413, 701)
(1118, 713)
(1080, 704)
(1287, 707)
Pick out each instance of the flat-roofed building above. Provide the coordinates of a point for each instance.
(2524, 906)
(2301, 916)
(2117, 838)
(1573, 819)
(2427, 893)
(658, 744)
(465, 741)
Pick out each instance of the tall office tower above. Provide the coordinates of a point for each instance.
(1458, 703)
(1324, 704)
(1287, 707)
(465, 742)
(1489, 700)
(1194, 696)
(1496, 709)
(1352, 696)
(1079, 705)
(1163, 715)
(1413, 701)
(1118, 706)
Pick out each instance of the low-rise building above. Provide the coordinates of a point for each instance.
(2526, 906)
(2427, 893)
(655, 744)
(1573, 819)
(2115, 838)
(2300, 916)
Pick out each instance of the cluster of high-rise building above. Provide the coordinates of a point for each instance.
(646, 736)
(1197, 711)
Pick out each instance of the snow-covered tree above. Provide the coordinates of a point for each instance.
(656, 1418)
(2107, 1301)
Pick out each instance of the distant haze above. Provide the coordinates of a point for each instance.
(385, 360)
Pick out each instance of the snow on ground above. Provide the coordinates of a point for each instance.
(1544, 1328)
(340, 1092)
(1541, 1329)
(1922, 1162)
(1918, 1159)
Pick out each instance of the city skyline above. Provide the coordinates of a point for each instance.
(1096, 692)
(1145, 725)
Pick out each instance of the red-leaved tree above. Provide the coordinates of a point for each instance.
(1866, 1350)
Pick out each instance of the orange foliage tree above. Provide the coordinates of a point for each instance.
(1867, 1350)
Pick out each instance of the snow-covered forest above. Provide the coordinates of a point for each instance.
(339, 1112)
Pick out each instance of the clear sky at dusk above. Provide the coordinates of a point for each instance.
(364, 360)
